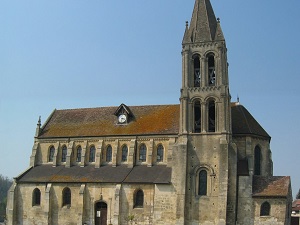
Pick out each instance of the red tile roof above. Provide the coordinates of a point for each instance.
(274, 186)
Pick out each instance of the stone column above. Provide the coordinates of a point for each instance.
(33, 157)
(116, 214)
(131, 153)
(150, 153)
(114, 153)
(84, 145)
(47, 209)
(99, 150)
(56, 154)
(69, 154)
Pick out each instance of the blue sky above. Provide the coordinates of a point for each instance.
(75, 54)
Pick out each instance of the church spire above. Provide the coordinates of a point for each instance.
(204, 26)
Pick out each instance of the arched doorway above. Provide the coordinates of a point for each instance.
(100, 213)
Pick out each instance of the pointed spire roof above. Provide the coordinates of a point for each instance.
(204, 26)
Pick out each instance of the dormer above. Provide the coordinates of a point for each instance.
(123, 114)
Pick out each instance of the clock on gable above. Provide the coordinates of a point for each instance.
(123, 114)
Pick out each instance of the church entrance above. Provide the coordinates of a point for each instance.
(100, 213)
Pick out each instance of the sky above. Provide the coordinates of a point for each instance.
(63, 54)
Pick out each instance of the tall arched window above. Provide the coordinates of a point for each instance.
(78, 154)
(64, 154)
(265, 209)
(211, 116)
(36, 197)
(51, 154)
(202, 187)
(108, 153)
(160, 153)
(92, 154)
(142, 153)
(197, 74)
(66, 196)
(211, 70)
(124, 153)
(197, 117)
(139, 199)
(257, 161)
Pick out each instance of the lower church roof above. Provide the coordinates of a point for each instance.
(272, 186)
(158, 174)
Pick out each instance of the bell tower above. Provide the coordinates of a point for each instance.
(204, 74)
(205, 121)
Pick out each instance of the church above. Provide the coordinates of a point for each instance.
(205, 160)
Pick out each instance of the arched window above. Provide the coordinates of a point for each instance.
(92, 154)
(78, 154)
(202, 187)
(211, 116)
(257, 161)
(160, 153)
(66, 196)
(139, 199)
(197, 117)
(265, 209)
(124, 153)
(197, 74)
(64, 154)
(36, 197)
(211, 71)
(51, 154)
(108, 153)
(143, 153)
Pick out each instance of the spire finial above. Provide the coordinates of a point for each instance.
(39, 121)
(238, 99)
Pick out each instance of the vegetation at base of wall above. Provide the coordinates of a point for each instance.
(5, 184)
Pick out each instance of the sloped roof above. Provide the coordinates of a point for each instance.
(204, 25)
(244, 123)
(146, 120)
(158, 174)
(273, 186)
(151, 119)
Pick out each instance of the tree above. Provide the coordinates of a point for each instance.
(298, 195)
(5, 184)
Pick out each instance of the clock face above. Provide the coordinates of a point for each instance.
(122, 118)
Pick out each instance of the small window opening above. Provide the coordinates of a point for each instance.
(211, 116)
(36, 197)
(257, 161)
(197, 74)
(64, 154)
(202, 189)
(211, 71)
(265, 209)
(66, 196)
(108, 153)
(160, 153)
(139, 199)
(124, 153)
(143, 153)
(78, 155)
(92, 154)
(51, 154)
(197, 117)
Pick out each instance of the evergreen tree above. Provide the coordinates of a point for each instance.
(5, 184)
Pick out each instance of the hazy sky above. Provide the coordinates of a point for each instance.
(77, 54)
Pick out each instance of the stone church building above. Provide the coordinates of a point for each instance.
(203, 161)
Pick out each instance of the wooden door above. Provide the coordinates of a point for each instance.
(100, 213)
